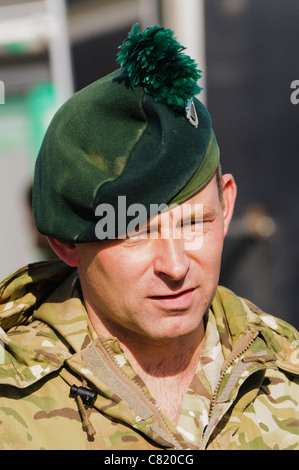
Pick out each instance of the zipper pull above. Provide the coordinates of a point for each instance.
(88, 396)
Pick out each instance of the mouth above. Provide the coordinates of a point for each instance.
(172, 296)
(180, 300)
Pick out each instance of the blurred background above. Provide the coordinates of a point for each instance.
(248, 51)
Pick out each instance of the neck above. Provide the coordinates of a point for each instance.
(166, 366)
(170, 358)
(150, 356)
(168, 369)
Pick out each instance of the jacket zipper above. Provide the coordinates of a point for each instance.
(245, 343)
(137, 389)
(242, 345)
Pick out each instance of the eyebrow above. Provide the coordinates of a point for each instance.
(209, 213)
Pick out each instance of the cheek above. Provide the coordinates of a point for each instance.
(117, 273)
(209, 255)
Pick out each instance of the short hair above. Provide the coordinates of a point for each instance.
(218, 174)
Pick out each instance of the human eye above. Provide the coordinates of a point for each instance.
(197, 222)
(193, 222)
(138, 236)
(142, 235)
(191, 228)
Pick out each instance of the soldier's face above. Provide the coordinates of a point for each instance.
(159, 286)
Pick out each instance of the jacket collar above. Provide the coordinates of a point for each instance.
(237, 317)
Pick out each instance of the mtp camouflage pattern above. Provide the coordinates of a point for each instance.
(244, 395)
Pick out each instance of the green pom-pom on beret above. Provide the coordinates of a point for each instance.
(154, 60)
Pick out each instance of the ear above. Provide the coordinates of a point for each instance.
(66, 251)
(229, 198)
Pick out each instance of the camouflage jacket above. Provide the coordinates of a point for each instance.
(47, 346)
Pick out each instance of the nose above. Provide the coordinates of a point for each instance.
(171, 260)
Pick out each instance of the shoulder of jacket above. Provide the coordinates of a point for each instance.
(26, 288)
(280, 337)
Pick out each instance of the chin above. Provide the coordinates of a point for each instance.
(173, 329)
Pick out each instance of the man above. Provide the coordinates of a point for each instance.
(128, 343)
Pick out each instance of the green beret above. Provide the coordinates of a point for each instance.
(138, 132)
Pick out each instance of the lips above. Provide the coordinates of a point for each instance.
(172, 296)
(179, 301)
